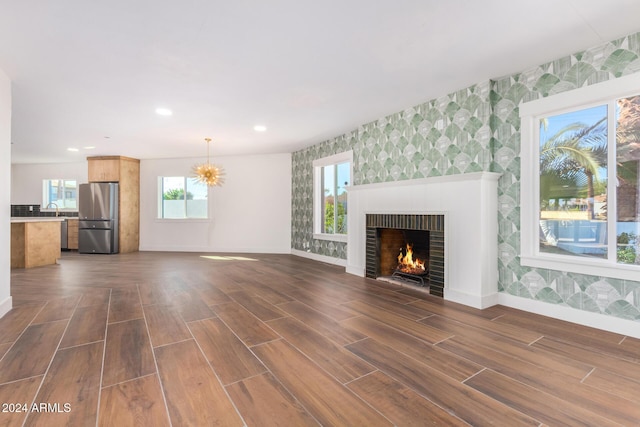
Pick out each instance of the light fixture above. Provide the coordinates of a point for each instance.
(260, 128)
(163, 111)
(207, 173)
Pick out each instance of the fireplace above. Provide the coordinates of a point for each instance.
(403, 255)
(408, 247)
(467, 203)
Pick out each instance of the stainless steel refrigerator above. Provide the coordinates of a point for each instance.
(98, 218)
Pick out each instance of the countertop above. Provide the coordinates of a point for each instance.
(38, 218)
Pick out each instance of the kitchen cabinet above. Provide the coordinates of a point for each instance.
(104, 169)
(72, 233)
(34, 241)
(125, 171)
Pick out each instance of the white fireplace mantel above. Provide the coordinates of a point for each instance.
(469, 203)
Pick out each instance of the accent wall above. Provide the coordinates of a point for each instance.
(477, 129)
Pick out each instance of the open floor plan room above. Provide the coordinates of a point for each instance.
(152, 338)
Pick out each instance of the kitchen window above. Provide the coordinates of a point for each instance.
(581, 180)
(59, 194)
(331, 176)
(181, 197)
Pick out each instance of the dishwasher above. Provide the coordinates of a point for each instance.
(64, 233)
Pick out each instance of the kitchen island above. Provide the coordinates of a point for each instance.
(35, 241)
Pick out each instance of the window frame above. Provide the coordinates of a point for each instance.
(46, 182)
(160, 208)
(605, 93)
(318, 208)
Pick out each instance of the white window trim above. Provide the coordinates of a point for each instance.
(346, 156)
(530, 113)
(182, 220)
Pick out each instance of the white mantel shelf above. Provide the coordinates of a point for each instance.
(469, 203)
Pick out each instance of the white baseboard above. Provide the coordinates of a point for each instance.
(475, 301)
(569, 314)
(216, 250)
(6, 305)
(355, 270)
(321, 258)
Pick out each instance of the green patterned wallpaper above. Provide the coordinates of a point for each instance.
(470, 130)
(448, 135)
(620, 298)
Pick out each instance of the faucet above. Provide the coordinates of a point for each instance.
(57, 209)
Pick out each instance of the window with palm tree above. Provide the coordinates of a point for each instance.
(588, 166)
(573, 174)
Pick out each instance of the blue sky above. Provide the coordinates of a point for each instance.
(587, 116)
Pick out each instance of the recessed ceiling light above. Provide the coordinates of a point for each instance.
(259, 128)
(72, 149)
(89, 148)
(163, 111)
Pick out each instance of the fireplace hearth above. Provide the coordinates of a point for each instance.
(409, 248)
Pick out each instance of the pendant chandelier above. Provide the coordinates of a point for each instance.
(207, 173)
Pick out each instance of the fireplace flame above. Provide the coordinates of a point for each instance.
(407, 264)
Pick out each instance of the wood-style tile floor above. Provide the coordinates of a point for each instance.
(158, 339)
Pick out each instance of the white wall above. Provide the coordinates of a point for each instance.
(26, 179)
(250, 213)
(5, 203)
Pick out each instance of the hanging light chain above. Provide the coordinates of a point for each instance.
(208, 144)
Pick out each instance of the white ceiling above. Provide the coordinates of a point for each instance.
(89, 73)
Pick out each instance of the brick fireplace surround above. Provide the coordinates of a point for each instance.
(468, 203)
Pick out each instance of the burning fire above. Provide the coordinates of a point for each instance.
(406, 263)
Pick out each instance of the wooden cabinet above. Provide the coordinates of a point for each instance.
(129, 205)
(72, 233)
(125, 171)
(104, 169)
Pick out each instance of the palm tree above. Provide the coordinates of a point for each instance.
(576, 153)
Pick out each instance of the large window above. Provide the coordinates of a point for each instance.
(581, 180)
(332, 175)
(59, 194)
(181, 197)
